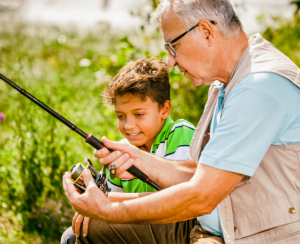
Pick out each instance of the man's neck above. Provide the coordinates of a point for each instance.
(234, 49)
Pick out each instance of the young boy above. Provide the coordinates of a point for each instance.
(140, 93)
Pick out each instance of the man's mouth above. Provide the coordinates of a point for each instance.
(184, 71)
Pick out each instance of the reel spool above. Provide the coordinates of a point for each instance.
(100, 179)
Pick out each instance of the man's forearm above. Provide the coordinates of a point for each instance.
(168, 172)
(161, 208)
(180, 202)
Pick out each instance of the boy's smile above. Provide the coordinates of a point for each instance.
(140, 121)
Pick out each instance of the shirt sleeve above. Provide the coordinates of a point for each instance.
(251, 119)
(179, 140)
(115, 184)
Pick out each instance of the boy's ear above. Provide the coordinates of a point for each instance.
(166, 110)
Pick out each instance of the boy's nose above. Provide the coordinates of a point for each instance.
(171, 61)
(129, 125)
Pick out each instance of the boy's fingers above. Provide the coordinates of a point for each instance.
(74, 221)
(85, 226)
(78, 224)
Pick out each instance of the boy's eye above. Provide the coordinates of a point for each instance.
(139, 115)
(120, 116)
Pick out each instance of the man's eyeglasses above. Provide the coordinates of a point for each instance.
(168, 46)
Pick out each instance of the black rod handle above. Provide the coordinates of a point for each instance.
(94, 142)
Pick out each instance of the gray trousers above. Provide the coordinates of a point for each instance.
(185, 232)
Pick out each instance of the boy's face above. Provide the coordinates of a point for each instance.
(140, 121)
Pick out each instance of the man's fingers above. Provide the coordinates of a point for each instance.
(66, 181)
(114, 145)
(101, 153)
(69, 188)
(78, 224)
(110, 157)
(88, 178)
(123, 168)
(85, 226)
(74, 221)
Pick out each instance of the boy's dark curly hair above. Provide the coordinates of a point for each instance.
(141, 79)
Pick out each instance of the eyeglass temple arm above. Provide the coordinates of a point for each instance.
(176, 39)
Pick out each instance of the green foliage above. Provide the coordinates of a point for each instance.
(155, 3)
(35, 149)
(285, 34)
(297, 4)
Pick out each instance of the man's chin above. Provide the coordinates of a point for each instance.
(197, 82)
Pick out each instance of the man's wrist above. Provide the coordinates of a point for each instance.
(115, 213)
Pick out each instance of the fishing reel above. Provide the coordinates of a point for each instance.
(100, 178)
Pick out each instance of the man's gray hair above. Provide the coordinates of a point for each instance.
(193, 11)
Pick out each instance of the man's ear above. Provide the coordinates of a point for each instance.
(207, 31)
(166, 110)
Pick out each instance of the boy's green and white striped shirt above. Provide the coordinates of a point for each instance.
(173, 142)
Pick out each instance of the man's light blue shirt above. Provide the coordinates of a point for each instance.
(263, 109)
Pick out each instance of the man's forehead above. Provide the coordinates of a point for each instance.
(171, 24)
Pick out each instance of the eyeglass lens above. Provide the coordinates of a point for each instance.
(170, 49)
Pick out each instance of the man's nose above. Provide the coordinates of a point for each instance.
(171, 61)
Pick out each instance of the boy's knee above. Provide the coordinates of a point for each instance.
(68, 237)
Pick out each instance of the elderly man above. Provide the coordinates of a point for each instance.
(245, 187)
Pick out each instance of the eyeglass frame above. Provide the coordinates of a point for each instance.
(168, 45)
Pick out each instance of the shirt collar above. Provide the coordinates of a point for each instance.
(161, 134)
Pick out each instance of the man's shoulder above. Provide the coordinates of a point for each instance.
(271, 86)
(266, 81)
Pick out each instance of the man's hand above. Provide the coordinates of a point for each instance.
(76, 224)
(164, 172)
(92, 203)
(124, 156)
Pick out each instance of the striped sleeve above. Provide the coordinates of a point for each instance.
(115, 184)
(179, 140)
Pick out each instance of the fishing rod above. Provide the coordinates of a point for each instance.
(89, 138)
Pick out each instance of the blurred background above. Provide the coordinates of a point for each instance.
(64, 52)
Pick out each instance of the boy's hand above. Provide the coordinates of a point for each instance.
(124, 156)
(76, 224)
